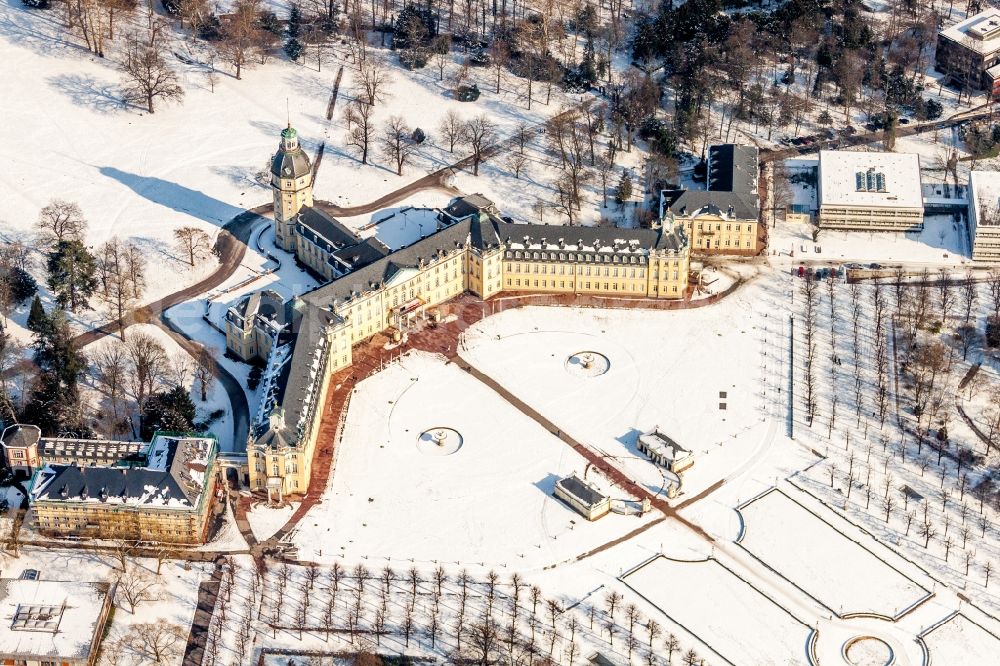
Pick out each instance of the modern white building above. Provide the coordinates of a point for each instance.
(870, 191)
(984, 216)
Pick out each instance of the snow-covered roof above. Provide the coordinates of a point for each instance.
(172, 477)
(49, 620)
(870, 180)
(984, 193)
(663, 446)
(980, 33)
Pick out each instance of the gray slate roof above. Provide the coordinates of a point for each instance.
(688, 203)
(733, 168)
(19, 435)
(581, 490)
(290, 163)
(161, 483)
(327, 228)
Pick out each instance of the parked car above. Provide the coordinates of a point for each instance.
(874, 267)
(904, 121)
(802, 271)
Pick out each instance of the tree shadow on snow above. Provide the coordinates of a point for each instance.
(88, 92)
(176, 197)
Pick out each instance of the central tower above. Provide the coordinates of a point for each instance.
(291, 182)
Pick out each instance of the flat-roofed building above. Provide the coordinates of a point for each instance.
(969, 51)
(52, 623)
(870, 191)
(984, 216)
(584, 497)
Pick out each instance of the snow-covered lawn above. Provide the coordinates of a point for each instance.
(961, 641)
(732, 618)
(393, 495)
(827, 564)
(265, 520)
(674, 370)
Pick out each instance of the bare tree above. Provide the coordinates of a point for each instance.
(147, 76)
(121, 270)
(193, 242)
(397, 147)
(204, 374)
(156, 642)
(480, 133)
(147, 365)
(136, 586)
(483, 640)
(60, 221)
(969, 295)
(441, 50)
(240, 38)
(360, 127)
(110, 367)
(452, 128)
(373, 79)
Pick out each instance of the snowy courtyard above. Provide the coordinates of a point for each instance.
(705, 401)
(484, 497)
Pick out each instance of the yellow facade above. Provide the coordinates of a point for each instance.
(602, 267)
(287, 469)
(718, 234)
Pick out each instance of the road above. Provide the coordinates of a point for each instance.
(979, 112)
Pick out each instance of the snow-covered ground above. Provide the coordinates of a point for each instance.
(489, 501)
(265, 520)
(720, 416)
(838, 571)
(961, 641)
(673, 585)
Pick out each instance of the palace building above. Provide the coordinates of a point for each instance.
(725, 218)
(371, 290)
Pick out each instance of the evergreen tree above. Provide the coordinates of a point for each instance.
(293, 48)
(20, 284)
(54, 402)
(56, 351)
(624, 190)
(72, 274)
(294, 22)
(38, 321)
(171, 410)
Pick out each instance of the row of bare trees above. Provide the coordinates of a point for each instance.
(488, 621)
